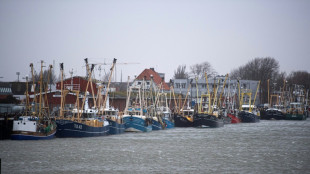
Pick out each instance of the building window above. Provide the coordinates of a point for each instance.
(183, 85)
(139, 83)
(177, 85)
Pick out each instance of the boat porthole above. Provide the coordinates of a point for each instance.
(34, 124)
(24, 123)
(18, 123)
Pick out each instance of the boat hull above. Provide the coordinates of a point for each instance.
(156, 125)
(116, 128)
(207, 120)
(169, 124)
(68, 128)
(227, 120)
(20, 135)
(295, 117)
(247, 117)
(234, 119)
(180, 121)
(137, 124)
(274, 114)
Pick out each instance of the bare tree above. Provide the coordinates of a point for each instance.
(299, 78)
(180, 72)
(259, 69)
(199, 69)
(45, 77)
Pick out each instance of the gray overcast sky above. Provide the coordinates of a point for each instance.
(161, 34)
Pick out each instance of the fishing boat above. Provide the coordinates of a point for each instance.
(36, 124)
(185, 118)
(296, 111)
(108, 112)
(275, 112)
(168, 119)
(182, 117)
(233, 116)
(115, 120)
(32, 128)
(276, 101)
(206, 115)
(157, 123)
(230, 105)
(163, 111)
(136, 118)
(248, 113)
(84, 122)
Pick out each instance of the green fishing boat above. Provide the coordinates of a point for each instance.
(296, 111)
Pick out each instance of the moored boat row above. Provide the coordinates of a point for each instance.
(147, 109)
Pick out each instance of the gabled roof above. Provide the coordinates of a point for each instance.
(156, 78)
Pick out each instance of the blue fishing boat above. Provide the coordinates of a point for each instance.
(116, 122)
(156, 125)
(168, 120)
(135, 116)
(87, 128)
(164, 112)
(108, 112)
(137, 123)
(83, 122)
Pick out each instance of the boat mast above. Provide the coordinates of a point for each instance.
(61, 114)
(240, 105)
(41, 83)
(282, 99)
(27, 97)
(175, 102)
(34, 90)
(186, 95)
(215, 96)
(251, 108)
(86, 89)
(46, 89)
(220, 103)
(208, 95)
(107, 89)
(91, 86)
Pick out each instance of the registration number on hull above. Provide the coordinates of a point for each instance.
(77, 126)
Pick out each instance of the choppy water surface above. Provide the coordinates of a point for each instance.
(265, 147)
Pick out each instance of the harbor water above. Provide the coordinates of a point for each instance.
(270, 146)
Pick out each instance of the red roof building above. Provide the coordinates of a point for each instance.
(157, 79)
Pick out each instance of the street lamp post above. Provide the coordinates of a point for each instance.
(17, 73)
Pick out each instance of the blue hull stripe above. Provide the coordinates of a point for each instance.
(31, 137)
